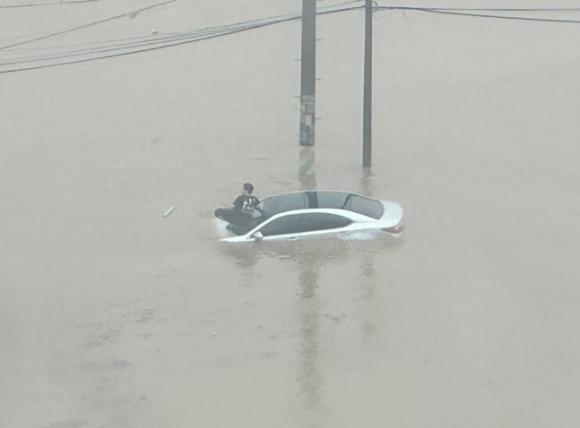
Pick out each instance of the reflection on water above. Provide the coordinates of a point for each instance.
(303, 253)
(366, 182)
(245, 255)
(367, 270)
(309, 373)
(307, 257)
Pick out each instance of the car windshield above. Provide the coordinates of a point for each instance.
(322, 199)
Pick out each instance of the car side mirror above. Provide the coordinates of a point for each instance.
(258, 236)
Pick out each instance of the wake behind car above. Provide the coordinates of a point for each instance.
(317, 215)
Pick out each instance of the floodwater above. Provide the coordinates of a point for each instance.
(112, 315)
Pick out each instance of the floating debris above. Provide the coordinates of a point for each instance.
(169, 211)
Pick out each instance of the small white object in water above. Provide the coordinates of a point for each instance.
(169, 211)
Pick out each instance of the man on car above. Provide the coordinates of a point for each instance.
(244, 205)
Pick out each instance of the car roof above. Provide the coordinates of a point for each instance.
(322, 199)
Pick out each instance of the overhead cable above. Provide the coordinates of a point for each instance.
(13, 60)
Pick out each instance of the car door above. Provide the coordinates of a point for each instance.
(307, 225)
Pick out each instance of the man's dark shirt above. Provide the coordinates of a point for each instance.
(246, 203)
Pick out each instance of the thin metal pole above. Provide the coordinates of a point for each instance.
(308, 73)
(368, 85)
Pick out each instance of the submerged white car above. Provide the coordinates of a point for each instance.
(317, 215)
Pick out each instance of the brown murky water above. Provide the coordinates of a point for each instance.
(114, 316)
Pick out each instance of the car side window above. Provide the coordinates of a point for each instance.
(307, 222)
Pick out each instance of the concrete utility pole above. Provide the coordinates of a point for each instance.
(308, 74)
(368, 85)
(307, 94)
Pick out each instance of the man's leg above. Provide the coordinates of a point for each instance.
(240, 218)
(224, 213)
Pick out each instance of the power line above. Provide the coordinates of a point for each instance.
(477, 13)
(115, 48)
(122, 48)
(92, 24)
(127, 47)
(37, 3)
(483, 9)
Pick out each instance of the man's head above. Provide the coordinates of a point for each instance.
(248, 187)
